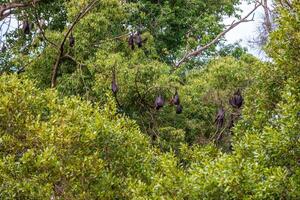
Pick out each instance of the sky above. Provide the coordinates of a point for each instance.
(246, 31)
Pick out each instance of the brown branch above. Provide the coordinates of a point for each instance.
(234, 24)
(6, 8)
(142, 100)
(113, 38)
(55, 67)
(289, 4)
(4, 15)
(42, 30)
(268, 23)
(286, 3)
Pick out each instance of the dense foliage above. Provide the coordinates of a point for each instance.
(104, 132)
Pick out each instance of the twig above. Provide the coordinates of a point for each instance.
(189, 55)
(42, 30)
(285, 3)
(113, 38)
(268, 22)
(6, 8)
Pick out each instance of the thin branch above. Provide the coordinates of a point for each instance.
(234, 24)
(42, 30)
(55, 67)
(289, 4)
(142, 100)
(6, 8)
(5, 14)
(286, 3)
(268, 23)
(113, 38)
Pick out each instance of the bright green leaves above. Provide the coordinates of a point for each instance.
(56, 145)
(50, 143)
(174, 23)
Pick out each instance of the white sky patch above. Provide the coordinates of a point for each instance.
(247, 31)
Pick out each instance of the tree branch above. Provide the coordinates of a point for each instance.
(42, 30)
(286, 3)
(55, 67)
(196, 52)
(268, 23)
(6, 8)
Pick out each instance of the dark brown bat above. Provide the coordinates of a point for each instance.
(236, 100)
(139, 40)
(26, 27)
(114, 86)
(71, 40)
(159, 102)
(131, 41)
(179, 109)
(176, 100)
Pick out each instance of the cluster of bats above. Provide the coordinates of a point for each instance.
(135, 39)
(236, 101)
(160, 102)
(27, 27)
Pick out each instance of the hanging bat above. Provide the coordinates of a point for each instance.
(179, 109)
(71, 40)
(139, 40)
(114, 86)
(159, 102)
(131, 41)
(236, 100)
(26, 27)
(176, 100)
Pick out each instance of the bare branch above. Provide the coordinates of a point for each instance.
(5, 14)
(6, 8)
(197, 52)
(42, 30)
(268, 23)
(113, 38)
(286, 4)
(289, 4)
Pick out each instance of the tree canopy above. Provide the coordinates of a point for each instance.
(110, 99)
